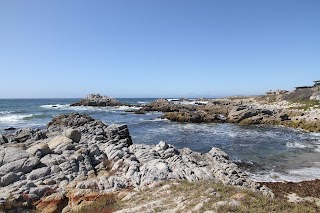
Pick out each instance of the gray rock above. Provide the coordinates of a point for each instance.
(73, 134)
(39, 191)
(239, 113)
(218, 152)
(9, 179)
(42, 147)
(16, 160)
(161, 146)
(3, 139)
(58, 141)
(63, 183)
(23, 135)
(49, 182)
(38, 173)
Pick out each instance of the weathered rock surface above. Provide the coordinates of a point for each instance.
(163, 105)
(3, 139)
(315, 96)
(16, 160)
(103, 159)
(194, 117)
(240, 113)
(98, 100)
(40, 149)
(29, 134)
(241, 110)
(73, 134)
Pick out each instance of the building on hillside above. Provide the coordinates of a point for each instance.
(303, 87)
(316, 85)
(277, 92)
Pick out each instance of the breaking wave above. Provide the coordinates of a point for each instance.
(14, 118)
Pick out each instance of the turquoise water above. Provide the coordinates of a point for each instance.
(267, 153)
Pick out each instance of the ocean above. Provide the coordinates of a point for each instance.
(266, 153)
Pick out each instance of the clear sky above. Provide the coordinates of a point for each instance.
(157, 48)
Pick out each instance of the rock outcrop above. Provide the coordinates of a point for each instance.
(26, 134)
(98, 100)
(95, 157)
(194, 117)
(242, 110)
(163, 105)
(315, 96)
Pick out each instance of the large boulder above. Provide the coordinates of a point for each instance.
(163, 105)
(38, 173)
(41, 149)
(194, 117)
(25, 134)
(16, 160)
(239, 113)
(69, 120)
(8, 179)
(58, 141)
(73, 134)
(98, 100)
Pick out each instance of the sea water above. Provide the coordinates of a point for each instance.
(266, 153)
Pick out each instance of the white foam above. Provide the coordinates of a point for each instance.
(306, 173)
(142, 102)
(157, 120)
(316, 134)
(317, 149)
(296, 145)
(294, 175)
(5, 112)
(172, 99)
(88, 108)
(14, 118)
(124, 108)
(202, 102)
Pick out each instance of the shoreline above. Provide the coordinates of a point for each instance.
(80, 153)
(115, 162)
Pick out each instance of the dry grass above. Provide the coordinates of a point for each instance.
(106, 203)
(185, 196)
(307, 104)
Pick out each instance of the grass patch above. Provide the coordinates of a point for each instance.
(106, 203)
(306, 104)
(185, 196)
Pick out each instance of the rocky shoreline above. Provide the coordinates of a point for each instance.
(76, 155)
(277, 110)
(241, 110)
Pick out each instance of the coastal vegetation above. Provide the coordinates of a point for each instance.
(201, 196)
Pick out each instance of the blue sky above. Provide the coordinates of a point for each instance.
(158, 48)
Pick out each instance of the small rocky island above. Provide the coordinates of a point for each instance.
(97, 100)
